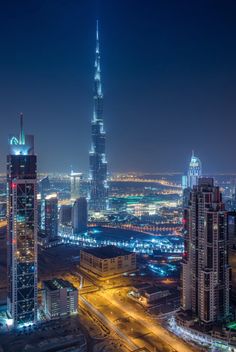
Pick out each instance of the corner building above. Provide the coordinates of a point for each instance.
(206, 272)
(22, 229)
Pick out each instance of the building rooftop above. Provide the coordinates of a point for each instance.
(155, 289)
(107, 252)
(141, 286)
(56, 284)
(51, 196)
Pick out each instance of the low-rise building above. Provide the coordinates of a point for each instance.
(152, 294)
(59, 298)
(107, 261)
(138, 290)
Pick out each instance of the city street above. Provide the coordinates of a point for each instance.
(127, 318)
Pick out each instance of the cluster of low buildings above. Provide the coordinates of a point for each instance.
(52, 217)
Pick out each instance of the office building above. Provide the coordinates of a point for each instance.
(22, 229)
(206, 272)
(65, 214)
(44, 187)
(231, 202)
(75, 185)
(80, 215)
(107, 261)
(60, 298)
(39, 205)
(51, 216)
(3, 210)
(98, 201)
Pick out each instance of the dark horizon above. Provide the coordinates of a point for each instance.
(168, 75)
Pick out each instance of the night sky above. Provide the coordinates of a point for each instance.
(168, 74)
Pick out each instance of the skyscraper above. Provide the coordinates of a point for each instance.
(22, 229)
(80, 215)
(194, 171)
(191, 179)
(97, 158)
(65, 214)
(206, 273)
(51, 216)
(75, 183)
(44, 187)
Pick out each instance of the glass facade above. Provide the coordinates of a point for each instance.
(51, 216)
(22, 237)
(97, 158)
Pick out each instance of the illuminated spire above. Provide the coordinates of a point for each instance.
(97, 75)
(97, 156)
(22, 134)
(97, 39)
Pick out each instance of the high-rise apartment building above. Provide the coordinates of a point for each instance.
(22, 229)
(194, 171)
(97, 157)
(191, 179)
(193, 174)
(206, 272)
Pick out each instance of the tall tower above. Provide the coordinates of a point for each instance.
(191, 179)
(75, 185)
(194, 171)
(97, 158)
(51, 216)
(80, 215)
(206, 273)
(22, 229)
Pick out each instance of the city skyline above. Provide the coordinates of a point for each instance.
(118, 227)
(154, 70)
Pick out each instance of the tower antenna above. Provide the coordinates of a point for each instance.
(22, 134)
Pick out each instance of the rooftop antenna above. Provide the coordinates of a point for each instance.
(22, 135)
